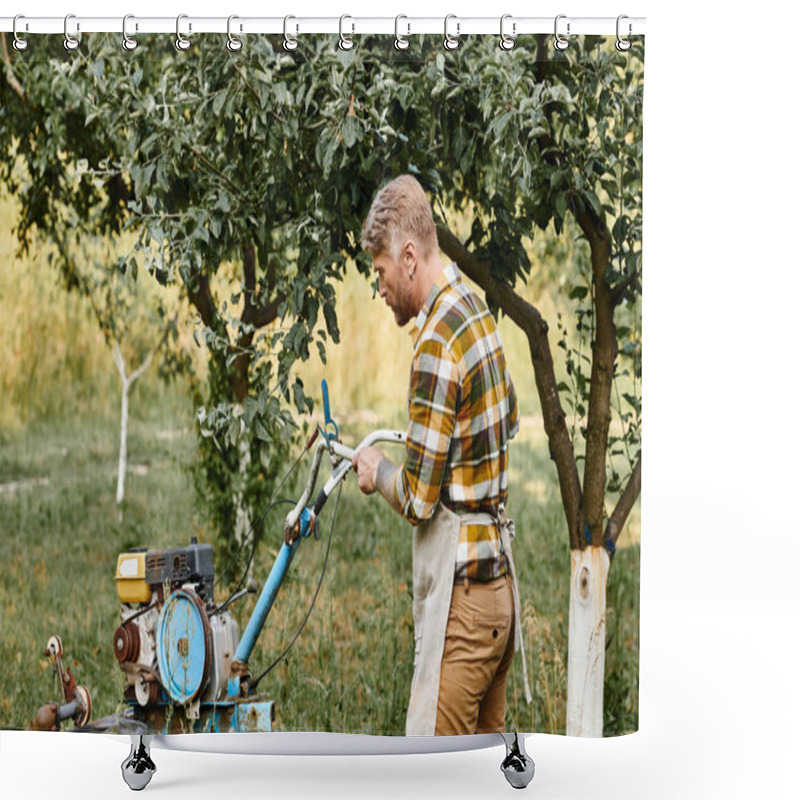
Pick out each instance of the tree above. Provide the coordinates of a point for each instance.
(133, 331)
(247, 178)
(564, 140)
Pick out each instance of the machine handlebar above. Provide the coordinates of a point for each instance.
(342, 460)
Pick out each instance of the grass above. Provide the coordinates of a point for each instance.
(350, 670)
(60, 533)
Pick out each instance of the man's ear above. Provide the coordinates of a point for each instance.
(410, 255)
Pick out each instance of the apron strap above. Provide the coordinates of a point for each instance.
(507, 533)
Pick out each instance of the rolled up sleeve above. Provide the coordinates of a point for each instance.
(432, 405)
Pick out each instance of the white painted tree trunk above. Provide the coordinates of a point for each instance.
(123, 442)
(587, 641)
(127, 382)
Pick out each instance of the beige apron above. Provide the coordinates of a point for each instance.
(434, 558)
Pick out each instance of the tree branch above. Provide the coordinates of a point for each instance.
(249, 269)
(119, 362)
(229, 183)
(254, 316)
(146, 363)
(10, 76)
(262, 315)
(254, 313)
(625, 503)
(201, 298)
(528, 318)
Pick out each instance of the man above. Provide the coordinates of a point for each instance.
(453, 484)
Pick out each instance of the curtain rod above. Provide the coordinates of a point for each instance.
(406, 25)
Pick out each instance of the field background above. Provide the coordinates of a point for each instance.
(350, 670)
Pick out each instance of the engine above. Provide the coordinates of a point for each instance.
(173, 642)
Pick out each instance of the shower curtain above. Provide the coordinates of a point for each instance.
(183, 268)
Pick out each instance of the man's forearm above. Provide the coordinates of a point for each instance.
(385, 479)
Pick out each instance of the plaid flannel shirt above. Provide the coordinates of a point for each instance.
(462, 411)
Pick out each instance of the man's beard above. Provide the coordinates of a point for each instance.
(404, 310)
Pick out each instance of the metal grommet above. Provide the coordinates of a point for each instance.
(623, 44)
(181, 42)
(127, 42)
(19, 44)
(507, 42)
(288, 43)
(233, 44)
(70, 42)
(400, 42)
(451, 42)
(345, 43)
(561, 43)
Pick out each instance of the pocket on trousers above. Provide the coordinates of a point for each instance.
(495, 612)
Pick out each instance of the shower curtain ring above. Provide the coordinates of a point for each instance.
(400, 42)
(19, 43)
(345, 43)
(561, 43)
(233, 44)
(288, 42)
(181, 42)
(507, 42)
(70, 42)
(127, 42)
(623, 44)
(451, 42)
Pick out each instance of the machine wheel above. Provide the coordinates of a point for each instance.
(518, 766)
(83, 717)
(138, 768)
(183, 646)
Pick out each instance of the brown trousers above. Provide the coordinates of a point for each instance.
(478, 650)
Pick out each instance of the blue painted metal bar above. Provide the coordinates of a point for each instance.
(270, 592)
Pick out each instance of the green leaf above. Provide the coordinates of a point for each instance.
(330, 152)
(501, 122)
(223, 203)
(620, 229)
(579, 293)
(330, 322)
(261, 430)
(595, 204)
(219, 101)
(351, 131)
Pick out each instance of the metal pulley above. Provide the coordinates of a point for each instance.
(183, 646)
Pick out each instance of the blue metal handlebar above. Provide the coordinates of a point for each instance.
(301, 519)
(270, 591)
(326, 406)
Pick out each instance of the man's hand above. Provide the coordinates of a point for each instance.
(366, 466)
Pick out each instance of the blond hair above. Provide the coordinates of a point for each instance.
(400, 211)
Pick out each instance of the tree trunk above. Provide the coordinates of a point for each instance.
(123, 442)
(587, 641)
(127, 382)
